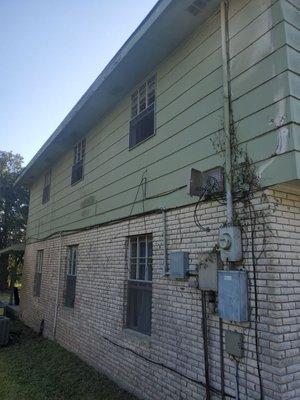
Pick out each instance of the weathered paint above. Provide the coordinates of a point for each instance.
(264, 65)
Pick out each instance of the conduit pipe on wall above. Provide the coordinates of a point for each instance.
(58, 286)
(228, 155)
(164, 215)
(226, 110)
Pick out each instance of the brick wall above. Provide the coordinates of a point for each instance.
(169, 364)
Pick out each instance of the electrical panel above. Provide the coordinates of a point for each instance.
(234, 344)
(179, 264)
(230, 243)
(206, 183)
(208, 264)
(233, 295)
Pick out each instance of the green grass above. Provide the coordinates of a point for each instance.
(4, 296)
(35, 368)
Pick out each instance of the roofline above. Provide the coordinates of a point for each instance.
(14, 248)
(150, 18)
(90, 108)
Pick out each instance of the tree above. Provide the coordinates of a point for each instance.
(13, 208)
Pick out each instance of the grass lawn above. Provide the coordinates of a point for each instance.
(34, 368)
(4, 296)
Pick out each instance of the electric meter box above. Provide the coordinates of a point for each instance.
(230, 243)
(179, 264)
(233, 295)
(208, 264)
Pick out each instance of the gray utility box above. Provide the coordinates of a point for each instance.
(234, 344)
(179, 264)
(230, 243)
(233, 295)
(205, 183)
(208, 264)
(4, 330)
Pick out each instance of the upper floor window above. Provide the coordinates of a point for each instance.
(38, 273)
(71, 276)
(140, 284)
(77, 168)
(142, 124)
(46, 189)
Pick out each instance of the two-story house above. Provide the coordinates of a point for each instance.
(175, 174)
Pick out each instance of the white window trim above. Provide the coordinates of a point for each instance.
(71, 262)
(137, 258)
(39, 261)
(79, 155)
(137, 88)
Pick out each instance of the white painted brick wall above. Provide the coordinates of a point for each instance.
(176, 340)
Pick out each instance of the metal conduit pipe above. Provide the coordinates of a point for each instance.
(57, 288)
(228, 155)
(226, 110)
(164, 215)
(222, 369)
(205, 344)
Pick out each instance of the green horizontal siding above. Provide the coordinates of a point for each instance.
(189, 115)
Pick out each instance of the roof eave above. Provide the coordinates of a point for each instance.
(89, 108)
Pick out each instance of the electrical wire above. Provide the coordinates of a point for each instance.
(137, 192)
(222, 369)
(205, 343)
(237, 381)
(254, 263)
(207, 192)
(158, 363)
(112, 222)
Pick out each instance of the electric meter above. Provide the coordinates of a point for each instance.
(230, 243)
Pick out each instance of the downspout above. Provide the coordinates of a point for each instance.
(57, 288)
(227, 111)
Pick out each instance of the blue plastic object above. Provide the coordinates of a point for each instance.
(233, 295)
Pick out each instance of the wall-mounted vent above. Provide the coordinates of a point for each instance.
(207, 183)
(196, 7)
(88, 201)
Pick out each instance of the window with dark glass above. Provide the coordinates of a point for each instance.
(72, 256)
(140, 284)
(142, 123)
(77, 168)
(46, 188)
(38, 273)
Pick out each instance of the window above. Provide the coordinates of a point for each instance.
(77, 169)
(140, 284)
(142, 112)
(38, 273)
(46, 189)
(72, 256)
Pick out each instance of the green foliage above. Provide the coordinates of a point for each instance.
(4, 296)
(13, 200)
(13, 209)
(37, 369)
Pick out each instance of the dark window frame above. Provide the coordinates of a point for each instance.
(38, 273)
(143, 106)
(46, 188)
(71, 275)
(77, 174)
(139, 287)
